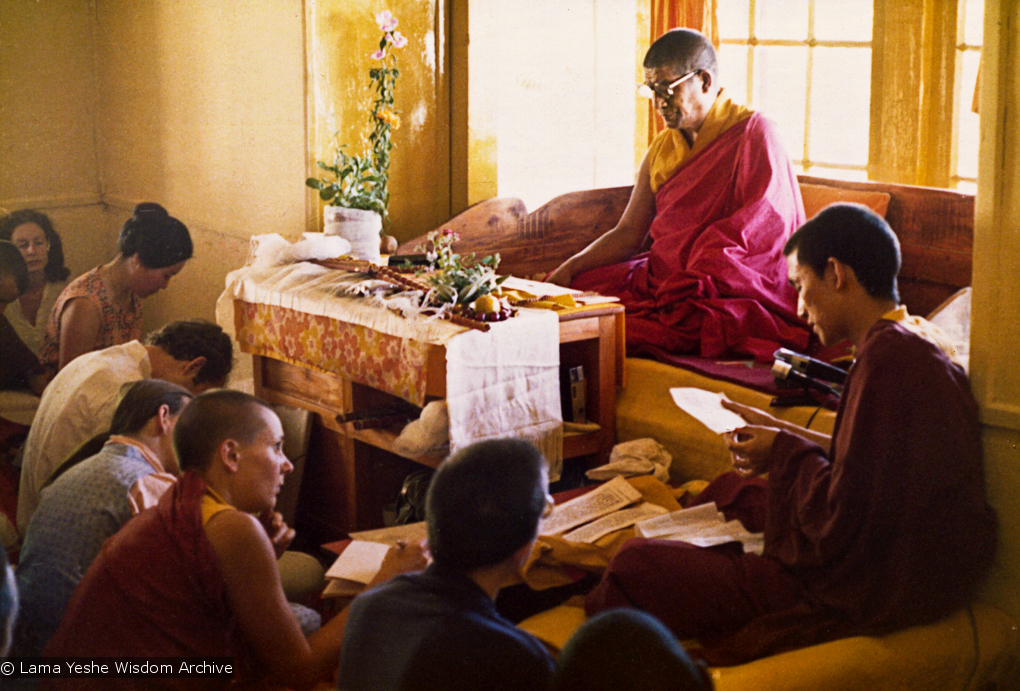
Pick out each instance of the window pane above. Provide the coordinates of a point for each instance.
(839, 173)
(733, 71)
(840, 105)
(732, 16)
(967, 137)
(780, 81)
(973, 21)
(843, 20)
(781, 19)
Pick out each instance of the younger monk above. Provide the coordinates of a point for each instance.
(439, 629)
(718, 196)
(888, 528)
(90, 502)
(196, 576)
(19, 367)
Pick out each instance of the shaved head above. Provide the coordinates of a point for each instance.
(685, 49)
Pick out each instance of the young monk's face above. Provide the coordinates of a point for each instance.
(262, 466)
(815, 299)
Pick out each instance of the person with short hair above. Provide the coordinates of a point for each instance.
(718, 196)
(90, 501)
(103, 307)
(885, 528)
(439, 629)
(80, 401)
(19, 367)
(627, 650)
(196, 576)
(32, 233)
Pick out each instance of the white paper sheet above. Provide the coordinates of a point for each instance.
(360, 562)
(706, 408)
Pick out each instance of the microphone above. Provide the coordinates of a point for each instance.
(810, 367)
(784, 372)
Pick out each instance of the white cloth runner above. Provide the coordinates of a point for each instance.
(505, 383)
(500, 383)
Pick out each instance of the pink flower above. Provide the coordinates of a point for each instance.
(398, 39)
(378, 55)
(386, 21)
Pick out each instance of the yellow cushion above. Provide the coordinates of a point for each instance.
(937, 656)
(645, 409)
(933, 657)
(817, 197)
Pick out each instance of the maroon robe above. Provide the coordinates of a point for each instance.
(155, 590)
(715, 282)
(892, 531)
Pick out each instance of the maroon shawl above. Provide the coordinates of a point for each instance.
(715, 279)
(155, 590)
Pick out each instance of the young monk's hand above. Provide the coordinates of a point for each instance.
(403, 558)
(280, 534)
(753, 416)
(751, 449)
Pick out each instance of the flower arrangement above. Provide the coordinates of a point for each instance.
(457, 280)
(361, 181)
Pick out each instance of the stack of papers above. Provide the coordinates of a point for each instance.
(703, 526)
(602, 503)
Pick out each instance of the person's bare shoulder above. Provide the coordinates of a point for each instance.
(240, 542)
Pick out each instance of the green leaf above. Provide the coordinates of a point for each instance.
(314, 182)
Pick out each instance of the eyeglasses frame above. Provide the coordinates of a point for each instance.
(650, 92)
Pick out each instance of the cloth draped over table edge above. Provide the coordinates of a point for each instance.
(500, 383)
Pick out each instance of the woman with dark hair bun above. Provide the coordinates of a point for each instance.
(103, 307)
(32, 233)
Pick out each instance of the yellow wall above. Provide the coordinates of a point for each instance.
(198, 106)
(995, 330)
(48, 155)
(343, 33)
(203, 111)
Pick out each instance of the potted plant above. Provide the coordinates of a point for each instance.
(356, 187)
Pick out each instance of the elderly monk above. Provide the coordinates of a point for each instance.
(719, 197)
(886, 527)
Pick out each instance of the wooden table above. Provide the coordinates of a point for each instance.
(351, 474)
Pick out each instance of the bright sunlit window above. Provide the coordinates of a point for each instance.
(968, 55)
(806, 64)
(563, 97)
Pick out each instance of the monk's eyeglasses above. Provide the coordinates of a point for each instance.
(665, 92)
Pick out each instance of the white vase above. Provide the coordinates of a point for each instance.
(359, 227)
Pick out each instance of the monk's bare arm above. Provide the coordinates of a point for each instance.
(248, 562)
(621, 242)
(79, 329)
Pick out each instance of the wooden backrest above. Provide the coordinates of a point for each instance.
(935, 228)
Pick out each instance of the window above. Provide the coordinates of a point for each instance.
(552, 107)
(968, 55)
(807, 64)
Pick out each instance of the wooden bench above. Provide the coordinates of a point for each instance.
(935, 227)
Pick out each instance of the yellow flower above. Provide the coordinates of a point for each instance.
(390, 118)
